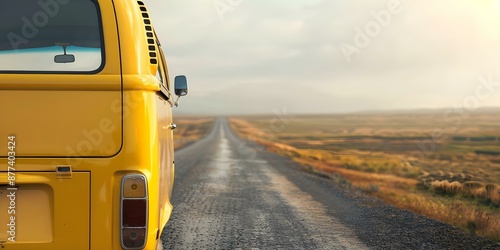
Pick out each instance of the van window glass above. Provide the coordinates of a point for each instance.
(50, 35)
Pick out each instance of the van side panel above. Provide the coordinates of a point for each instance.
(138, 29)
(166, 166)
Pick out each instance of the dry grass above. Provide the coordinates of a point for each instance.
(475, 189)
(455, 184)
(190, 129)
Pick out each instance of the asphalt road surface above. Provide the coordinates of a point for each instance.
(232, 194)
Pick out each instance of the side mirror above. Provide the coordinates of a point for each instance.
(181, 88)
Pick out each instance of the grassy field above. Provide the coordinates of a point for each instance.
(190, 129)
(443, 166)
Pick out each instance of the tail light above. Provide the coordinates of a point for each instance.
(134, 211)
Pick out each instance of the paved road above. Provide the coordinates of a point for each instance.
(232, 194)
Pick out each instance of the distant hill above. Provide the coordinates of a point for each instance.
(426, 111)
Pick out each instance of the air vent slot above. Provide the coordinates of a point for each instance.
(149, 33)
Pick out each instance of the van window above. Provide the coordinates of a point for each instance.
(50, 36)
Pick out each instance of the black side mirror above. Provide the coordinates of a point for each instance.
(181, 88)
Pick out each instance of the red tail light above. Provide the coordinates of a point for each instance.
(134, 211)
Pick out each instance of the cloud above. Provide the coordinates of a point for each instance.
(429, 55)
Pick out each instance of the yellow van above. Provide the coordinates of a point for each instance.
(86, 147)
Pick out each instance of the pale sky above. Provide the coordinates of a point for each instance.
(322, 56)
